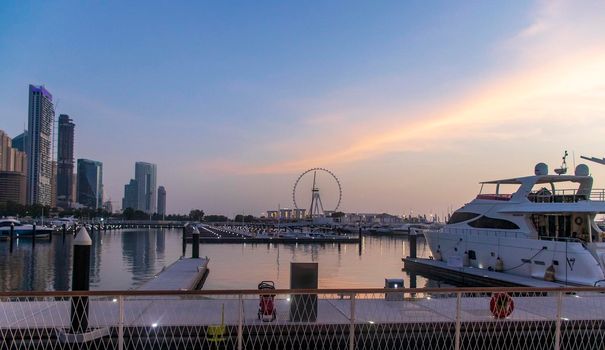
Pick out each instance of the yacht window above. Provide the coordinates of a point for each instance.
(500, 224)
(460, 217)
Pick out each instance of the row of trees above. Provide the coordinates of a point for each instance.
(38, 210)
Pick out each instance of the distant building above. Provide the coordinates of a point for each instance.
(65, 161)
(145, 175)
(108, 207)
(12, 188)
(41, 115)
(130, 195)
(161, 200)
(90, 183)
(13, 170)
(20, 142)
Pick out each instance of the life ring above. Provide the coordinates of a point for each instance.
(578, 220)
(501, 305)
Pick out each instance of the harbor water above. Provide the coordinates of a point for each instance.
(125, 259)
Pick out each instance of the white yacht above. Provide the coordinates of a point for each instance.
(539, 226)
(22, 230)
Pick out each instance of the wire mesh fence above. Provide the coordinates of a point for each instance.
(481, 318)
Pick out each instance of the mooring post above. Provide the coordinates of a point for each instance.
(12, 237)
(195, 248)
(64, 232)
(80, 281)
(50, 235)
(34, 235)
(184, 240)
(413, 242)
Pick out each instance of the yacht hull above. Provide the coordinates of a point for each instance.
(573, 262)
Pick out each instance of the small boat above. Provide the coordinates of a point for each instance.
(22, 230)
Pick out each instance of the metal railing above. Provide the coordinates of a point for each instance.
(567, 196)
(457, 318)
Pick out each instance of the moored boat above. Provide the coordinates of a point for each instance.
(539, 226)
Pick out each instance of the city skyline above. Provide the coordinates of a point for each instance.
(410, 105)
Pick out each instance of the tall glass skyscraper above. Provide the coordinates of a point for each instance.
(65, 161)
(41, 115)
(145, 175)
(130, 195)
(161, 200)
(90, 183)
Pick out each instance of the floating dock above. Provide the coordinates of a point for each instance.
(183, 274)
(472, 275)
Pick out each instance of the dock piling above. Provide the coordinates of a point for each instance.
(12, 237)
(184, 240)
(64, 232)
(80, 281)
(195, 248)
(34, 236)
(413, 243)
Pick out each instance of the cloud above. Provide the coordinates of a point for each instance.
(553, 60)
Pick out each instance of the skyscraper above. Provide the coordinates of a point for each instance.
(20, 142)
(65, 161)
(90, 183)
(130, 195)
(41, 116)
(161, 200)
(13, 166)
(145, 175)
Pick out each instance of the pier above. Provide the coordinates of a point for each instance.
(542, 318)
(183, 274)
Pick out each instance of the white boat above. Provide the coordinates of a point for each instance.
(544, 228)
(22, 230)
(68, 221)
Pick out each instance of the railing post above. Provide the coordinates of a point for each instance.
(240, 324)
(558, 322)
(121, 323)
(458, 316)
(352, 324)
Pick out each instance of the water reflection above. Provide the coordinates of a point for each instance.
(125, 259)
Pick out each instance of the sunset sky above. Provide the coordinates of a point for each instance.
(409, 103)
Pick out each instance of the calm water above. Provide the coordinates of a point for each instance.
(126, 259)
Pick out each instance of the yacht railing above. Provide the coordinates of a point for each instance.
(481, 232)
(566, 196)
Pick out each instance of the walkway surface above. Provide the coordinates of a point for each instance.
(183, 274)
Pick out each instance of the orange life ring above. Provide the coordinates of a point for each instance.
(501, 305)
(578, 220)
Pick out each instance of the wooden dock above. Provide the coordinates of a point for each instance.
(183, 274)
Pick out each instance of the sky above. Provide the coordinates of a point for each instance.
(409, 103)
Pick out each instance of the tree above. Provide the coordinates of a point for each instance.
(196, 215)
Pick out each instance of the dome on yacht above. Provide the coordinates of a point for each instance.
(541, 169)
(582, 170)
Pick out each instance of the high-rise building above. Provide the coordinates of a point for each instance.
(145, 175)
(65, 161)
(90, 183)
(41, 115)
(20, 142)
(130, 195)
(13, 167)
(161, 200)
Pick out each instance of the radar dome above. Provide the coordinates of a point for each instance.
(582, 170)
(541, 169)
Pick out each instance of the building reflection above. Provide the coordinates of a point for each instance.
(139, 253)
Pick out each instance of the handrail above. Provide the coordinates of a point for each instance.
(107, 293)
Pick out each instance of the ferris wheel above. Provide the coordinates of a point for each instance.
(312, 179)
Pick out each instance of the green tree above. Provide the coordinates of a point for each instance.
(196, 215)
